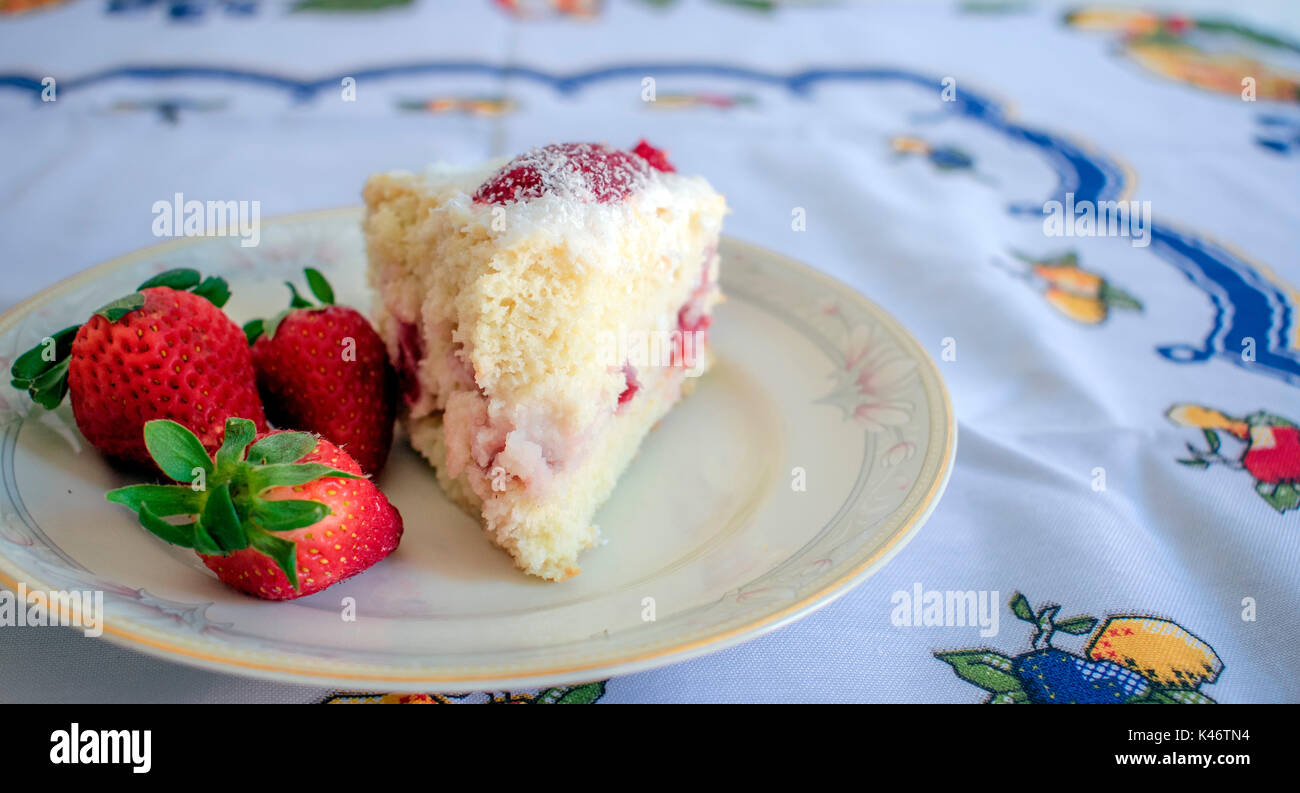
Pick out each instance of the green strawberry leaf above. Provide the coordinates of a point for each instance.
(163, 500)
(182, 534)
(282, 447)
(182, 279)
(121, 307)
(319, 286)
(989, 670)
(253, 329)
(296, 300)
(1195, 463)
(283, 552)
(50, 387)
(228, 515)
(39, 359)
(1282, 497)
(239, 433)
(203, 542)
(175, 449)
(289, 514)
(1021, 608)
(215, 290)
(289, 474)
(1077, 626)
(221, 521)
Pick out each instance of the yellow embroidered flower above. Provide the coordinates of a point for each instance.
(1089, 310)
(1207, 419)
(1070, 279)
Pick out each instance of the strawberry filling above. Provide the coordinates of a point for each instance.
(410, 351)
(633, 385)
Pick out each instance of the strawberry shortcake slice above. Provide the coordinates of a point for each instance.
(543, 314)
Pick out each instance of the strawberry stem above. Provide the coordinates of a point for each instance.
(320, 287)
(42, 371)
(222, 508)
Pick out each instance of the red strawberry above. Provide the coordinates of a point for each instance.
(325, 370)
(161, 352)
(608, 174)
(657, 158)
(285, 517)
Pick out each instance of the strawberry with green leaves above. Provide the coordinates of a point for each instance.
(324, 369)
(277, 515)
(165, 351)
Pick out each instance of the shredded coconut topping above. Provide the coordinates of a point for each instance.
(581, 172)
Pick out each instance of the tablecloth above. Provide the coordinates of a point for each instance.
(1125, 504)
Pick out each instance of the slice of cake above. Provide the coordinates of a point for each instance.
(544, 313)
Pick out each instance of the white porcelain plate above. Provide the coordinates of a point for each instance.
(815, 448)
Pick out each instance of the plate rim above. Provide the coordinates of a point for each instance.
(563, 674)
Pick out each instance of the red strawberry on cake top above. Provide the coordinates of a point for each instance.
(577, 170)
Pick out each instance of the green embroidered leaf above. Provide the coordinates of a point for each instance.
(288, 474)
(289, 514)
(989, 670)
(282, 551)
(1212, 438)
(1067, 259)
(1267, 419)
(1195, 463)
(1077, 626)
(121, 307)
(221, 522)
(585, 694)
(1228, 26)
(1020, 607)
(163, 500)
(756, 5)
(253, 329)
(282, 447)
(215, 290)
(1118, 298)
(1282, 497)
(1009, 698)
(175, 449)
(319, 286)
(239, 433)
(181, 279)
